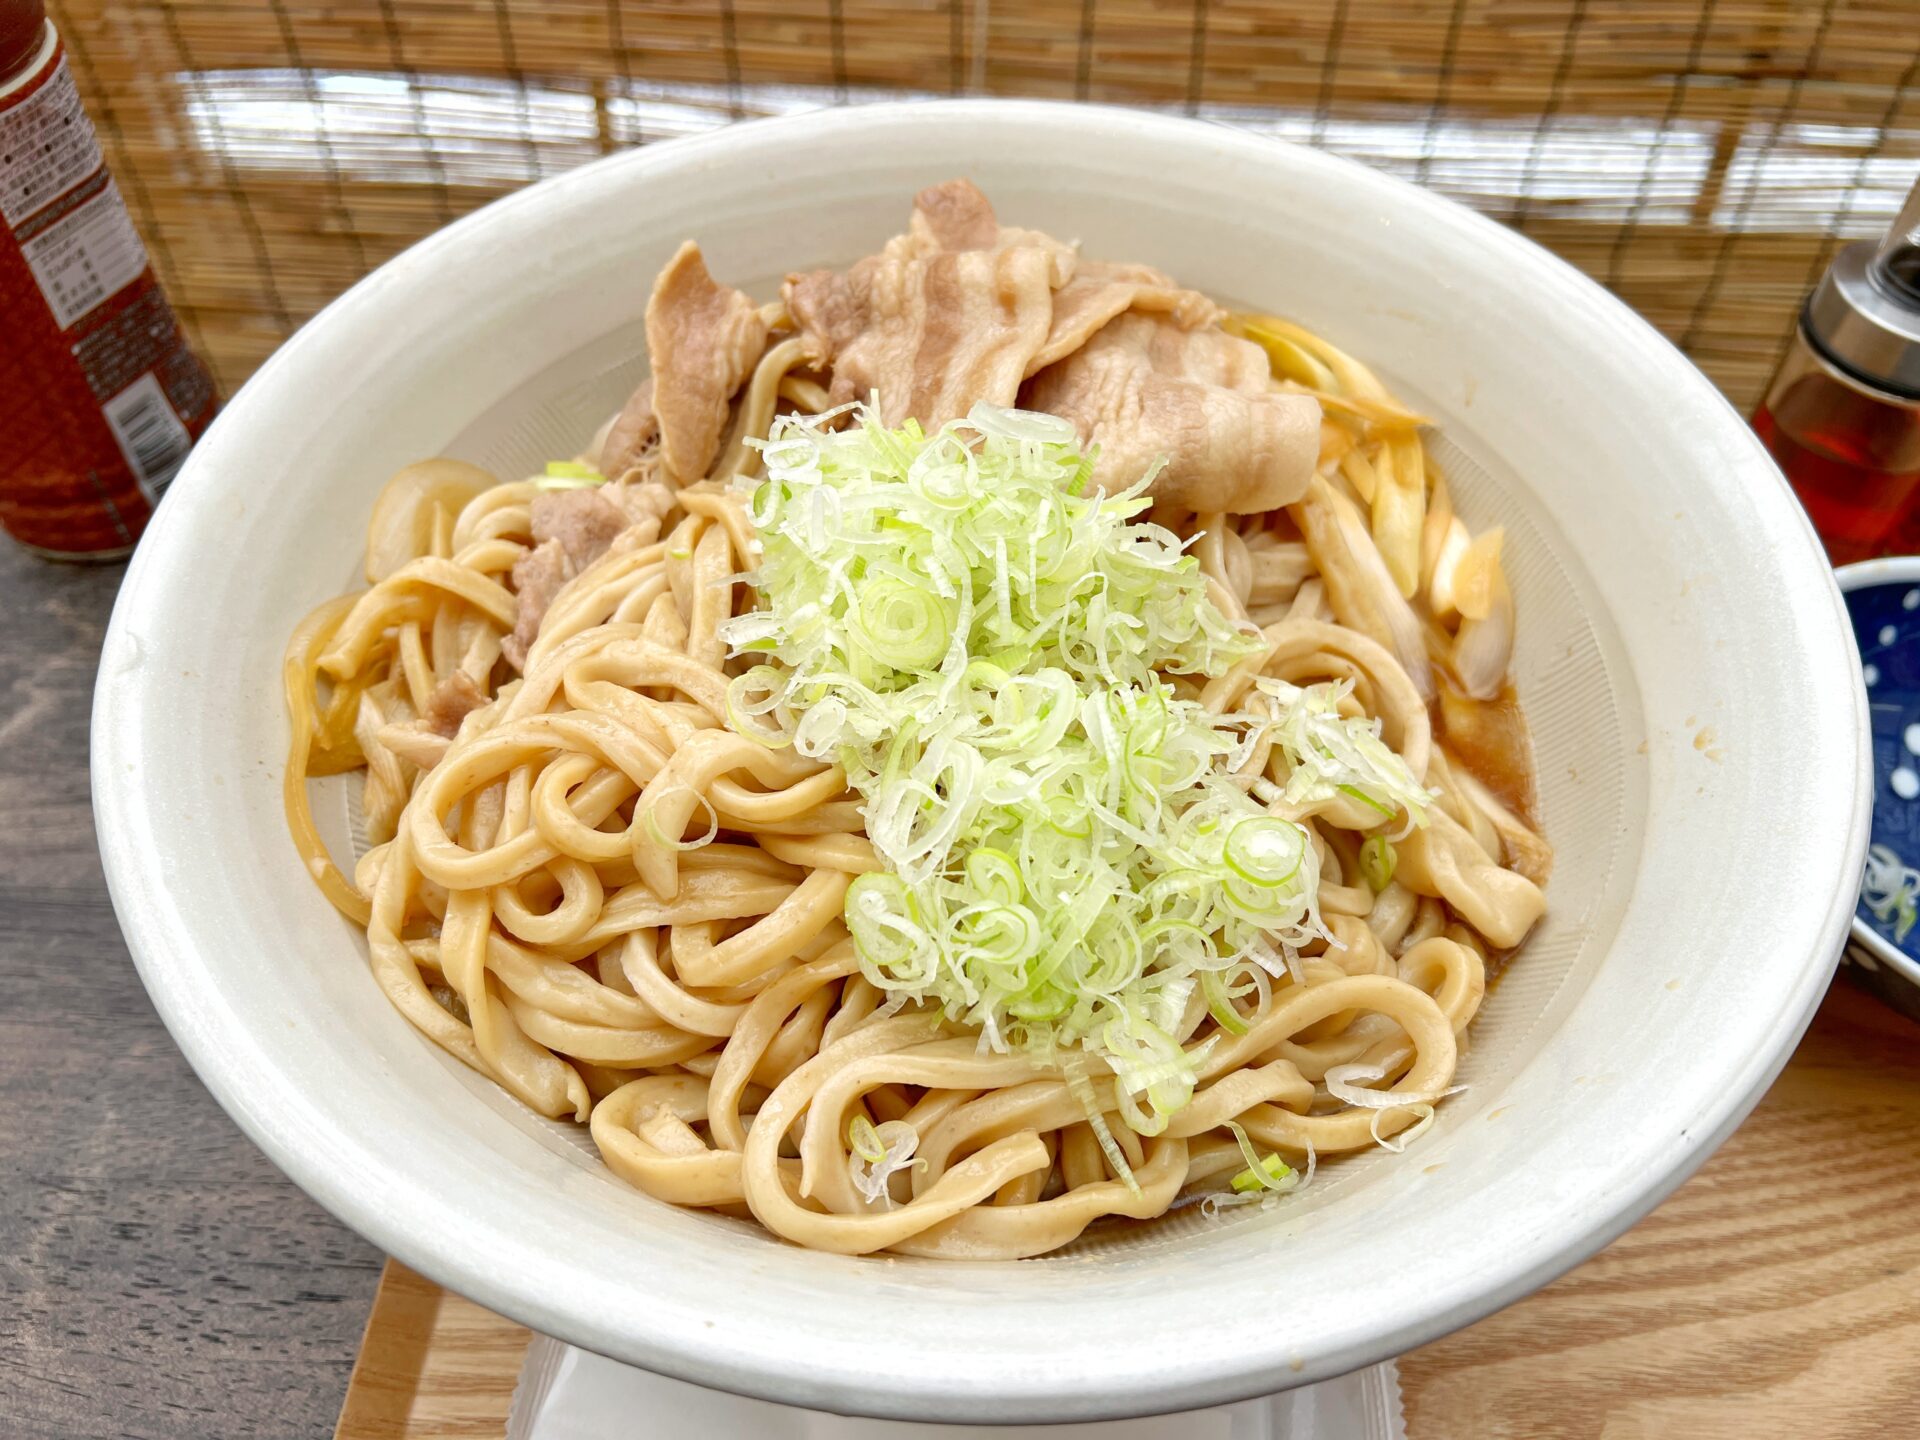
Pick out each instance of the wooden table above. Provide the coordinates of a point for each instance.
(162, 1280)
(158, 1277)
(1777, 1293)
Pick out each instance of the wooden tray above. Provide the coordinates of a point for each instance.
(1776, 1293)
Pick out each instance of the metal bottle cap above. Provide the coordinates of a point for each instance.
(1865, 314)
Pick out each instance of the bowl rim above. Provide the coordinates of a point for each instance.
(1864, 575)
(791, 1376)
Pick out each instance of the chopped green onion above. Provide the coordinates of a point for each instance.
(750, 696)
(1328, 753)
(864, 1141)
(986, 644)
(680, 842)
(1273, 1168)
(879, 1152)
(1081, 1088)
(1378, 859)
(904, 625)
(1265, 851)
(569, 475)
(1355, 792)
(1220, 1003)
(1262, 1173)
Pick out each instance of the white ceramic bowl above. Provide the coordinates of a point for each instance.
(1683, 656)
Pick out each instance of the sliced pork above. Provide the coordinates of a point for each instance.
(1143, 388)
(957, 216)
(631, 436)
(932, 336)
(1099, 291)
(703, 339)
(954, 216)
(538, 576)
(452, 700)
(571, 530)
(583, 521)
(951, 313)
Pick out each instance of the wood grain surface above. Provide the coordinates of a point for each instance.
(1777, 1293)
(158, 1277)
(432, 1364)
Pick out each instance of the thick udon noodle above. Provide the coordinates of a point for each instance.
(720, 1039)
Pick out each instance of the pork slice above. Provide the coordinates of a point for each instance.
(452, 700)
(1142, 389)
(538, 576)
(957, 216)
(634, 433)
(1208, 356)
(1087, 293)
(584, 521)
(703, 339)
(646, 506)
(571, 530)
(933, 334)
(1100, 290)
(947, 314)
(832, 307)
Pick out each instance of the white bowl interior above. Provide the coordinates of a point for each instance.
(1682, 658)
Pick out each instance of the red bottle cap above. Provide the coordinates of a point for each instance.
(20, 22)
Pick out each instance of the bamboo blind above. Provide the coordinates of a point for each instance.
(1702, 157)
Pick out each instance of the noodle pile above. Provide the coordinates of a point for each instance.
(716, 1031)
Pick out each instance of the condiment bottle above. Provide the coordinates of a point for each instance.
(1842, 416)
(100, 398)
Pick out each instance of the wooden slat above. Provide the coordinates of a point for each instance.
(1777, 1292)
(431, 1364)
(1761, 114)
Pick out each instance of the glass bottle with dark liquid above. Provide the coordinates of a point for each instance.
(1842, 416)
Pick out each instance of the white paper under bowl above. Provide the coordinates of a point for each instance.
(1683, 656)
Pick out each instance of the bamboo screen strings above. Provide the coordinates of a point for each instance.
(1702, 157)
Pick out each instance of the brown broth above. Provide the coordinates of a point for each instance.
(1489, 737)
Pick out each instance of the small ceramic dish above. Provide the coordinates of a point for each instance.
(1883, 597)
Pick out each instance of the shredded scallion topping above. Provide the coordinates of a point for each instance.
(988, 646)
(569, 475)
(1262, 1173)
(1378, 861)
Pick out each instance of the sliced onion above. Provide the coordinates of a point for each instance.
(1398, 1143)
(1477, 574)
(1446, 563)
(1342, 1084)
(1483, 649)
(397, 528)
(878, 1152)
(1363, 592)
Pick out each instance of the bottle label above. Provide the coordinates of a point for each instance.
(47, 146)
(150, 434)
(100, 398)
(86, 255)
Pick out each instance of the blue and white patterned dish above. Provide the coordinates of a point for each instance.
(1883, 597)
